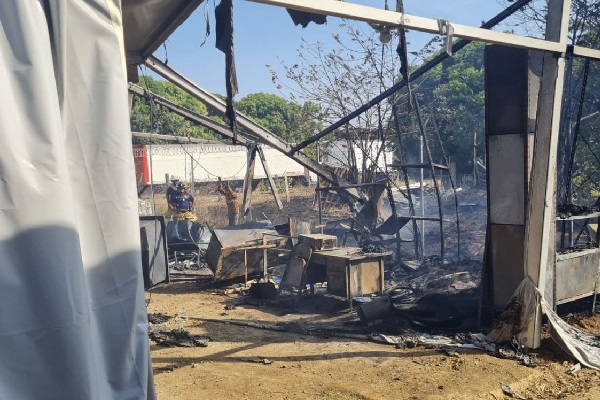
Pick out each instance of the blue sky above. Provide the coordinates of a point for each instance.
(264, 35)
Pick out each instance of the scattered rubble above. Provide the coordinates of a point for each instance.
(158, 318)
(574, 369)
(177, 338)
(257, 360)
(507, 390)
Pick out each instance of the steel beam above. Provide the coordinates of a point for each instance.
(261, 134)
(395, 19)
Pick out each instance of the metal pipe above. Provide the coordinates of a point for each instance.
(318, 189)
(422, 188)
(221, 129)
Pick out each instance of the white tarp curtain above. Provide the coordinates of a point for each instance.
(72, 317)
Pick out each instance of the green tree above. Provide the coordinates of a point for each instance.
(451, 99)
(454, 102)
(290, 121)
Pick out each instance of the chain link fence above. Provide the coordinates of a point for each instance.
(201, 165)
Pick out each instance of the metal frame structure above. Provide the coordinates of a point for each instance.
(252, 131)
(541, 210)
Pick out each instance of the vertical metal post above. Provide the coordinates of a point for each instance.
(192, 172)
(319, 187)
(540, 224)
(422, 188)
(475, 158)
(566, 142)
(245, 267)
(185, 166)
(153, 208)
(287, 187)
(247, 203)
(192, 161)
(264, 243)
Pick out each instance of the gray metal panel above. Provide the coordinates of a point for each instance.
(247, 234)
(507, 257)
(506, 90)
(506, 174)
(148, 23)
(154, 250)
(576, 275)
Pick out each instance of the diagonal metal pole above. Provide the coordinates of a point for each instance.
(416, 74)
(270, 179)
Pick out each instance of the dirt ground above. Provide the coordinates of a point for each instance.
(324, 365)
(264, 350)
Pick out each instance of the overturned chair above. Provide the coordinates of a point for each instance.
(294, 275)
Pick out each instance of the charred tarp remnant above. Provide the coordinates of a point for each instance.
(305, 18)
(177, 338)
(224, 42)
(158, 318)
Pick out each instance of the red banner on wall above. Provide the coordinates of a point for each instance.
(142, 167)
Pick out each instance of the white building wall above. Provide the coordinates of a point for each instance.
(211, 161)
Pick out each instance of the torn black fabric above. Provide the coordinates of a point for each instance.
(402, 51)
(305, 18)
(224, 42)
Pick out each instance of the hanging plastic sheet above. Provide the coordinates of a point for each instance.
(224, 42)
(72, 313)
(582, 346)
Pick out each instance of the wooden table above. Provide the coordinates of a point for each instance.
(348, 272)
